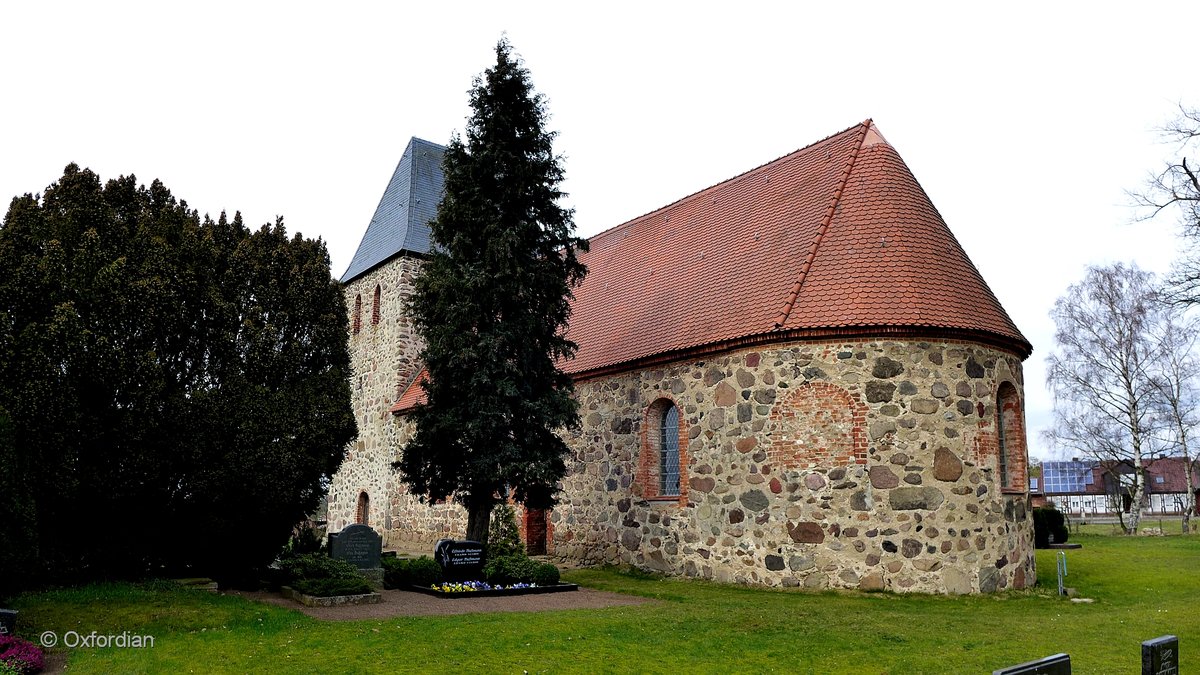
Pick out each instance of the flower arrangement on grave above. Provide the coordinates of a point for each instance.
(19, 656)
(474, 586)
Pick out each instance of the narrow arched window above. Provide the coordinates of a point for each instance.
(375, 308)
(363, 511)
(662, 464)
(668, 476)
(356, 318)
(1002, 445)
(1011, 460)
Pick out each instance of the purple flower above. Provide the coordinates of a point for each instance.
(22, 655)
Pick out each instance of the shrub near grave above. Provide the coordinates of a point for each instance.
(319, 575)
(1049, 527)
(507, 562)
(405, 572)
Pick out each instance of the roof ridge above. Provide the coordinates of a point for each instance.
(790, 302)
(727, 181)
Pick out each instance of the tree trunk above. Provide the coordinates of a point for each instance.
(479, 517)
(1189, 500)
(1138, 491)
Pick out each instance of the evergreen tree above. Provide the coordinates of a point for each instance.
(176, 388)
(492, 304)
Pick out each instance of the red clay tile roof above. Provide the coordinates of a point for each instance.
(837, 237)
(414, 395)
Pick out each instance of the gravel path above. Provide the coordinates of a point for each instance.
(407, 603)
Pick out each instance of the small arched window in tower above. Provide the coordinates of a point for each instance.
(375, 308)
(356, 318)
(363, 511)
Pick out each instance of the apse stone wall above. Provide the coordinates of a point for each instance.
(868, 465)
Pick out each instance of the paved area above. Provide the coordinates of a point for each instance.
(407, 603)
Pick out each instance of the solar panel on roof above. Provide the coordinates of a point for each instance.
(1064, 477)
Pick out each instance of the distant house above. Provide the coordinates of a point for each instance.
(1099, 488)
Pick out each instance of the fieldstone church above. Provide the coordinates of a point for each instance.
(795, 377)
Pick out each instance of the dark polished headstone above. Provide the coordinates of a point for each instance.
(1059, 664)
(1160, 656)
(461, 559)
(358, 545)
(8, 621)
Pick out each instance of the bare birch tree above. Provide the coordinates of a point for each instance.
(1177, 377)
(1101, 375)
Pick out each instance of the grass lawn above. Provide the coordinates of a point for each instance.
(1143, 587)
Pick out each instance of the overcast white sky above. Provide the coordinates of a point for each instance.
(1024, 121)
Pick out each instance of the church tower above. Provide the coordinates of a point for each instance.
(383, 344)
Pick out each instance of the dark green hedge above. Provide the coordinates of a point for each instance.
(1047, 522)
(318, 574)
(403, 572)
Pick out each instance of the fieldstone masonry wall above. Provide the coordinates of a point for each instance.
(868, 465)
(383, 355)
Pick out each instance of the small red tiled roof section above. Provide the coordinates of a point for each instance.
(414, 395)
(835, 237)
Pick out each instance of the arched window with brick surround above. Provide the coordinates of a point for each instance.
(668, 477)
(356, 318)
(662, 461)
(1012, 460)
(375, 308)
(362, 512)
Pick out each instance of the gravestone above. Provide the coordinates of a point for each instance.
(8, 621)
(1160, 656)
(461, 560)
(1059, 664)
(362, 547)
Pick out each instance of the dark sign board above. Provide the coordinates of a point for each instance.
(8, 621)
(1160, 656)
(1059, 664)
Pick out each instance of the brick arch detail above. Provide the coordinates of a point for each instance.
(646, 477)
(818, 424)
(1011, 416)
(362, 508)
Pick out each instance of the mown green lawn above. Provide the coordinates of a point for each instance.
(1143, 588)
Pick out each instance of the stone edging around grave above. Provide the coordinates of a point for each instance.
(499, 592)
(332, 600)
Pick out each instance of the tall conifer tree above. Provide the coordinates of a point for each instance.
(492, 305)
(174, 392)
